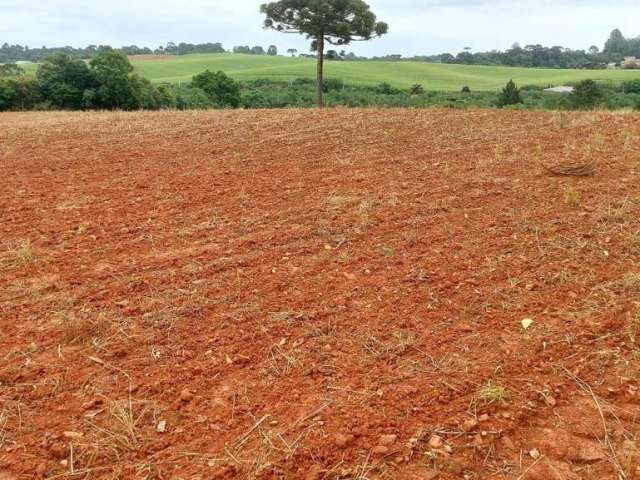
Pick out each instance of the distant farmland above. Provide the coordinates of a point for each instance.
(432, 76)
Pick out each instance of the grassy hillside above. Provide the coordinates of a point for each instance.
(401, 74)
(432, 76)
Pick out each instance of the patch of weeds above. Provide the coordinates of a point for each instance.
(282, 361)
(493, 393)
(614, 213)
(327, 330)
(363, 213)
(120, 429)
(631, 282)
(287, 316)
(20, 253)
(399, 343)
(572, 197)
(343, 256)
(337, 202)
(83, 329)
(4, 419)
(388, 252)
(563, 120)
(634, 327)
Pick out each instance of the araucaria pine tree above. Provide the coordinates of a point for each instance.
(337, 22)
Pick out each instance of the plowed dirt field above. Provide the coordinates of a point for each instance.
(345, 294)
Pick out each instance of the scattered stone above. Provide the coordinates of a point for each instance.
(526, 323)
(91, 404)
(591, 453)
(435, 442)
(483, 418)
(508, 443)
(343, 441)
(186, 395)
(388, 440)
(162, 426)
(534, 453)
(73, 435)
(314, 473)
(224, 472)
(349, 276)
(379, 451)
(431, 475)
(469, 425)
(58, 451)
(41, 470)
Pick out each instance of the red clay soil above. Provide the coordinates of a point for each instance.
(319, 295)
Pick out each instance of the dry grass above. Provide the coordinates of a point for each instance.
(82, 328)
(4, 420)
(397, 344)
(283, 359)
(120, 426)
(19, 253)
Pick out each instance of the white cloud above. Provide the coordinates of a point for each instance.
(416, 26)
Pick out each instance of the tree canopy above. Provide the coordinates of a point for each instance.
(337, 22)
(510, 95)
(221, 89)
(111, 70)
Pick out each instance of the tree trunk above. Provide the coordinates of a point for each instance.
(320, 76)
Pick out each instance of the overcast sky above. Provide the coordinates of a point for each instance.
(416, 26)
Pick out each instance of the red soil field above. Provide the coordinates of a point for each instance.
(336, 294)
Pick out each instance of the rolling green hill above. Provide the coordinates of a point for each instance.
(432, 76)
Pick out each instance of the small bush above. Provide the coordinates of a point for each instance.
(386, 89)
(510, 95)
(332, 84)
(221, 89)
(631, 86)
(465, 89)
(191, 98)
(587, 95)
(532, 88)
(416, 89)
(572, 197)
(492, 393)
(301, 82)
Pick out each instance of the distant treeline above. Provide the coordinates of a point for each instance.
(538, 56)
(617, 44)
(107, 82)
(530, 56)
(62, 82)
(17, 53)
(616, 48)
